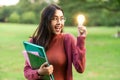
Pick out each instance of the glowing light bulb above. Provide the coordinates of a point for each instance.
(80, 19)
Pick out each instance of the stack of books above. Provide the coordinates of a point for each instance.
(36, 56)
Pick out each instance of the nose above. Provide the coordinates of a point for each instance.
(59, 21)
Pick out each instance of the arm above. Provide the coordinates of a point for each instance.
(78, 54)
(79, 50)
(29, 73)
(75, 51)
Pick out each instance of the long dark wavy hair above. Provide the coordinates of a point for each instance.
(44, 32)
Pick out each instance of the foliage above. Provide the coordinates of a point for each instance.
(22, 8)
(14, 17)
(28, 17)
(4, 13)
(97, 12)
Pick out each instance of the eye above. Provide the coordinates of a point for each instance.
(62, 18)
(54, 18)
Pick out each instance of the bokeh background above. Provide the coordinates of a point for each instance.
(20, 18)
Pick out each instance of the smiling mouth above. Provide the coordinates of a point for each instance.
(57, 28)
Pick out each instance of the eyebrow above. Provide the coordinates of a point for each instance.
(57, 16)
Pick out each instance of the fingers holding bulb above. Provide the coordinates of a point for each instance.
(82, 30)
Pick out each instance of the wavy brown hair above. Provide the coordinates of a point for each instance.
(44, 32)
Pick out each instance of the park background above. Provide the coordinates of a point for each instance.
(18, 22)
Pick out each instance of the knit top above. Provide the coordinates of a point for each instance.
(57, 57)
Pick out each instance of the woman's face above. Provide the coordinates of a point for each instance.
(57, 22)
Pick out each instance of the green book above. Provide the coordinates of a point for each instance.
(36, 60)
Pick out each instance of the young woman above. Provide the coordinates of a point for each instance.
(62, 49)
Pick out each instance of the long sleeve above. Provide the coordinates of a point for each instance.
(29, 73)
(78, 52)
(75, 49)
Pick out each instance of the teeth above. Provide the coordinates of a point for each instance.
(57, 28)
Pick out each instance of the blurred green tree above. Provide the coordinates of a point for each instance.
(28, 17)
(14, 18)
(98, 12)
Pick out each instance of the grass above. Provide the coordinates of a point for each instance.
(103, 53)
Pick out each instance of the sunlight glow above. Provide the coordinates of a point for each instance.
(8, 2)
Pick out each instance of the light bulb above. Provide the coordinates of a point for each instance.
(80, 19)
